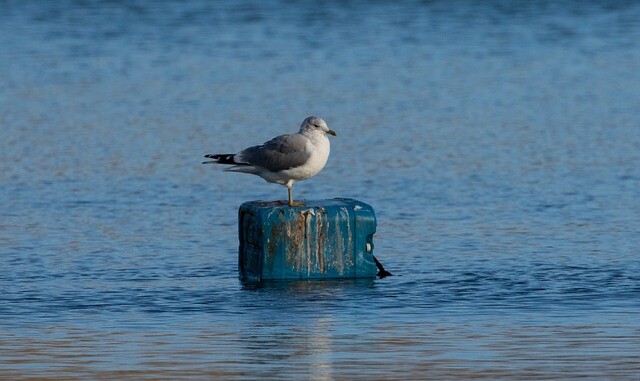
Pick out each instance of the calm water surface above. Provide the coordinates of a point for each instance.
(498, 141)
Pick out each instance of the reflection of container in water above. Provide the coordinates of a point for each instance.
(324, 239)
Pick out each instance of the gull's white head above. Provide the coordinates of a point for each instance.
(313, 124)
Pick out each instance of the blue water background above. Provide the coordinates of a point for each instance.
(498, 141)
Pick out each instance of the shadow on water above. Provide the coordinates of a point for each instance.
(305, 287)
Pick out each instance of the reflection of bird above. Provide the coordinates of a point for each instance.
(284, 159)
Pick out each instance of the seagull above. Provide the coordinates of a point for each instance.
(284, 159)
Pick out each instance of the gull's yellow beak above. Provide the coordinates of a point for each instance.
(332, 132)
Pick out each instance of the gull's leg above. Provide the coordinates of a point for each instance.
(291, 202)
(290, 196)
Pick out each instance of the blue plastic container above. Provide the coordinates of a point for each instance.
(325, 239)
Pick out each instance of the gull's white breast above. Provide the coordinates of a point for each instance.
(320, 148)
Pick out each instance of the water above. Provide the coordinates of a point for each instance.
(498, 141)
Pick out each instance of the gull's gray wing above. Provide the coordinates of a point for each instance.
(280, 153)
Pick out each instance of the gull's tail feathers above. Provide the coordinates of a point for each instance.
(224, 158)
